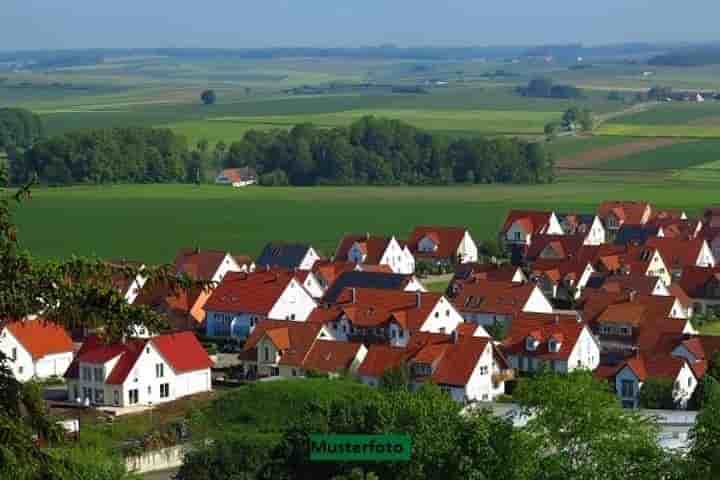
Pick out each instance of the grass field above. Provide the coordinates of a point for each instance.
(151, 222)
(664, 130)
(676, 156)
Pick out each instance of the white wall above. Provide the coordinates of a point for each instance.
(596, 235)
(585, 354)
(443, 318)
(400, 260)
(480, 386)
(705, 257)
(309, 260)
(53, 365)
(517, 234)
(228, 265)
(295, 303)
(467, 250)
(657, 268)
(537, 303)
(25, 368)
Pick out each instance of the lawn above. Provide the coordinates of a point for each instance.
(151, 222)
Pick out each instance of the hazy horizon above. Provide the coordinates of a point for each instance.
(43, 24)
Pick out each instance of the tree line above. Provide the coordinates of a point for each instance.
(380, 151)
(543, 87)
(19, 128)
(688, 57)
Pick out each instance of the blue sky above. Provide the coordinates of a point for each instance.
(28, 24)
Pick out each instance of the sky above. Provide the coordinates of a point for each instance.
(59, 24)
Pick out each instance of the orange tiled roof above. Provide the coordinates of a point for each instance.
(40, 337)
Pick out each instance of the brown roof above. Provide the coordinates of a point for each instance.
(563, 245)
(635, 213)
(199, 264)
(485, 271)
(239, 174)
(294, 339)
(694, 280)
(381, 358)
(373, 247)
(331, 356)
(447, 240)
(677, 252)
(533, 221)
(458, 362)
(484, 296)
(544, 327)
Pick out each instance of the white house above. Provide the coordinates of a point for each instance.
(237, 177)
(561, 343)
(291, 256)
(372, 250)
(633, 373)
(443, 244)
(206, 265)
(129, 288)
(36, 349)
(244, 299)
(521, 225)
(139, 372)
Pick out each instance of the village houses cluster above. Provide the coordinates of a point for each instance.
(612, 292)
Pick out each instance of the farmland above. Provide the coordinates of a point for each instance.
(150, 222)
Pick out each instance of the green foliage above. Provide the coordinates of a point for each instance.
(208, 97)
(578, 423)
(276, 178)
(704, 453)
(19, 128)
(543, 87)
(498, 330)
(379, 151)
(396, 378)
(357, 474)
(657, 393)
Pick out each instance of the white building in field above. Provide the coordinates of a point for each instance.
(139, 372)
(244, 299)
(36, 349)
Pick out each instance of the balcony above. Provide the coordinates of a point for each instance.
(503, 376)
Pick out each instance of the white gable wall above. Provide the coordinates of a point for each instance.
(517, 234)
(586, 352)
(228, 264)
(309, 260)
(705, 256)
(467, 250)
(596, 235)
(442, 319)
(24, 367)
(537, 303)
(554, 227)
(295, 303)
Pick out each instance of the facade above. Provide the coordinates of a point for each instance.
(36, 349)
(139, 372)
(449, 245)
(242, 300)
(633, 373)
(373, 250)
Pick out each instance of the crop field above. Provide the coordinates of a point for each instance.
(675, 130)
(150, 222)
(672, 156)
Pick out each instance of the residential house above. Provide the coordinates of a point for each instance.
(561, 279)
(373, 250)
(521, 226)
(639, 283)
(632, 374)
(712, 236)
(281, 348)
(377, 280)
(139, 372)
(588, 226)
(184, 308)
(287, 255)
(495, 272)
(237, 177)
(488, 303)
(637, 234)
(681, 253)
(128, 287)
(560, 342)
(371, 315)
(698, 350)
(242, 300)
(35, 349)
(206, 265)
(702, 285)
(615, 214)
(379, 359)
(446, 245)
(554, 247)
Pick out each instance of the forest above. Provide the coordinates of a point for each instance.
(370, 151)
(19, 128)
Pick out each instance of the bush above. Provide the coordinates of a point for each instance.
(657, 393)
(276, 178)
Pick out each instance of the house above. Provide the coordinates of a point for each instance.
(139, 371)
(702, 285)
(373, 250)
(287, 255)
(712, 236)
(554, 247)
(495, 272)
(560, 342)
(521, 226)
(698, 351)
(488, 303)
(561, 279)
(447, 245)
(642, 284)
(681, 253)
(377, 280)
(206, 265)
(129, 288)
(371, 315)
(281, 348)
(237, 177)
(310, 282)
(35, 349)
(615, 214)
(183, 308)
(635, 371)
(645, 260)
(242, 300)
(468, 368)
(587, 226)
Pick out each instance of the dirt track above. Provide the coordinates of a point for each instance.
(603, 154)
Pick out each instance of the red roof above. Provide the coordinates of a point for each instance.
(40, 337)
(658, 366)
(373, 247)
(254, 292)
(634, 213)
(182, 351)
(236, 175)
(329, 271)
(199, 264)
(485, 271)
(294, 339)
(677, 252)
(381, 358)
(446, 239)
(331, 356)
(695, 279)
(484, 296)
(533, 222)
(563, 246)
(459, 361)
(543, 327)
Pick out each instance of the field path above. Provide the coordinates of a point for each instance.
(637, 108)
(598, 155)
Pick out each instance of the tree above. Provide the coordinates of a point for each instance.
(396, 378)
(551, 129)
(539, 87)
(586, 120)
(208, 97)
(582, 432)
(704, 453)
(570, 117)
(657, 393)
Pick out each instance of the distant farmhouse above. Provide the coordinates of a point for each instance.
(237, 177)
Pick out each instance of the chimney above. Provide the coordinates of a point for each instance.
(418, 299)
(353, 295)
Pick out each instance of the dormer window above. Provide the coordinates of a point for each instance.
(531, 344)
(554, 346)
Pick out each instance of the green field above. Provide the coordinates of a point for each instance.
(664, 130)
(151, 222)
(678, 156)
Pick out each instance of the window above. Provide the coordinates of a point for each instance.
(517, 236)
(13, 355)
(149, 390)
(292, 316)
(689, 381)
(294, 372)
(274, 372)
(116, 397)
(76, 392)
(159, 370)
(147, 350)
(627, 388)
(447, 313)
(164, 390)
(437, 314)
(99, 396)
(393, 333)
(87, 374)
(21, 370)
(267, 354)
(87, 393)
(401, 333)
(484, 370)
(98, 374)
(133, 396)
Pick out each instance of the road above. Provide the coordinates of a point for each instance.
(164, 475)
